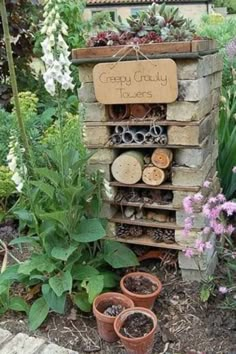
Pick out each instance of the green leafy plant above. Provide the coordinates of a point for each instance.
(227, 142)
(222, 32)
(207, 289)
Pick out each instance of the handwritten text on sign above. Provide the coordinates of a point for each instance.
(136, 82)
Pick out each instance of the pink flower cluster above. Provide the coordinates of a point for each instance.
(215, 210)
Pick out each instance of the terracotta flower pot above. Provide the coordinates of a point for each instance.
(140, 345)
(105, 324)
(141, 300)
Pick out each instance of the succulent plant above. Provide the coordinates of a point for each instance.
(160, 23)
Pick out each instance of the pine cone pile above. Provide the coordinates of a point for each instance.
(113, 310)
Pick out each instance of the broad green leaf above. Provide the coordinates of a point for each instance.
(4, 287)
(25, 239)
(81, 300)
(17, 303)
(40, 262)
(82, 272)
(38, 313)
(11, 273)
(56, 303)
(44, 187)
(24, 215)
(232, 265)
(118, 255)
(59, 216)
(89, 230)
(63, 253)
(94, 287)
(111, 279)
(205, 294)
(52, 176)
(2, 215)
(61, 283)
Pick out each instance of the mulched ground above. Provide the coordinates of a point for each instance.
(185, 323)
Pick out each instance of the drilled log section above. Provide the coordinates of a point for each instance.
(127, 168)
(119, 111)
(162, 158)
(139, 110)
(153, 176)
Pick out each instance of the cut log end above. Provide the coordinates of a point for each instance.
(162, 158)
(127, 168)
(153, 176)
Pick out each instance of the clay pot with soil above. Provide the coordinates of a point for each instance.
(105, 308)
(136, 328)
(142, 288)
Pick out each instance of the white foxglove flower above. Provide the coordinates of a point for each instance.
(55, 49)
(12, 164)
(50, 87)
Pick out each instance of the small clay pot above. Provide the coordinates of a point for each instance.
(105, 324)
(140, 300)
(141, 345)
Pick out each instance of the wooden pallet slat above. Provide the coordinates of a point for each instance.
(121, 219)
(146, 241)
(147, 49)
(143, 205)
(164, 186)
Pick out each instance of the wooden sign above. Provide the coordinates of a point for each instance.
(141, 81)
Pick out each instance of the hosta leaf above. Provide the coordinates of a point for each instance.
(38, 313)
(118, 255)
(82, 272)
(61, 283)
(56, 303)
(17, 303)
(63, 253)
(89, 230)
(81, 300)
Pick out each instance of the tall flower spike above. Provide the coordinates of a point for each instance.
(55, 50)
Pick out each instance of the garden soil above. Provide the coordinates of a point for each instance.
(186, 325)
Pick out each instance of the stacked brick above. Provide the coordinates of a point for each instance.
(191, 129)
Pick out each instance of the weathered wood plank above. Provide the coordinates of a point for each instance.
(146, 241)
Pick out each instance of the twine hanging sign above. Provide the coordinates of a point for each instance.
(139, 81)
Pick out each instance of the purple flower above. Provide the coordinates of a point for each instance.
(223, 290)
(231, 48)
(206, 184)
(200, 245)
(188, 252)
(230, 229)
(221, 198)
(229, 207)
(188, 205)
(198, 197)
(206, 230)
(208, 245)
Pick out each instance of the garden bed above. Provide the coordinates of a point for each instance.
(185, 322)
